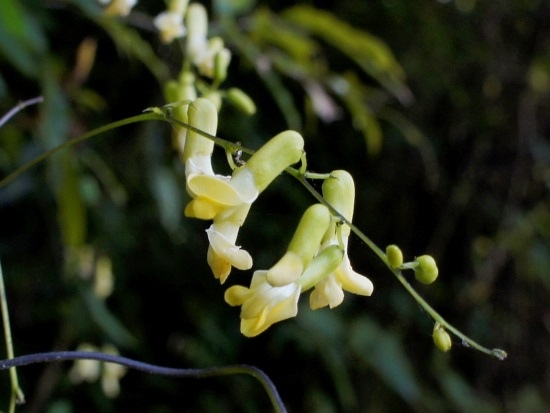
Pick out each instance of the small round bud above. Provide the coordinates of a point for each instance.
(395, 256)
(442, 340)
(427, 271)
(241, 101)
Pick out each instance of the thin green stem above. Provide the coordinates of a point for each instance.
(300, 175)
(17, 395)
(466, 341)
(314, 175)
(81, 138)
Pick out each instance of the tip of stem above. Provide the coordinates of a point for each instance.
(499, 354)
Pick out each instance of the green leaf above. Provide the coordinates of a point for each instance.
(130, 42)
(54, 130)
(269, 28)
(71, 211)
(368, 51)
(21, 39)
(356, 96)
(270, 77)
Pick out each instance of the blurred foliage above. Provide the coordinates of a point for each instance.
(453, 160)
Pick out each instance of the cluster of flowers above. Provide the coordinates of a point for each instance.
(317, 254)
(316, 257)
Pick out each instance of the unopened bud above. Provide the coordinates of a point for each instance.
(241, 101)
(270, 160)
(221, 63)
(394, 255)
(426, 272)
(442, 340)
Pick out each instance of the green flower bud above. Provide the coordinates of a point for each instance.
(178, 6)
(241, 101)
(442, 340)
(221, 63)
(426, 272)
(180, 91)
(270, 160)
(394, 255)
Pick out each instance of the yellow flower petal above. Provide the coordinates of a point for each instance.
(213, 187)
(267, 305)
(351, 281)
(226, 250)
(286, 271)
(236, 295)
(220, 267)
(327, 292)
(203, 208)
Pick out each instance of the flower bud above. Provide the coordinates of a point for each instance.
(339, 192)
(394, 255)
(426, 272)
(119, 8)
(215, 97)
(178, 6)
(221, 63)
(305, 243)
(178, 92)
(196, 20)
(241, 101)
(442, 340)
(270, 160)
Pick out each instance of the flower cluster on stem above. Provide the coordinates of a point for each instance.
(316, 258)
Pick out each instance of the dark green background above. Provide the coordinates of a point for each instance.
(473, 193)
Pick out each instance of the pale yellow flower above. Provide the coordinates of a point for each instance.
(91, 370)
(315, 258)
(330, 290)
(85, 370)
(263, 304)
(339, 192)
(119, 7)
(227, 200)
(104, 280)
(170, 22)
(201, 50)
(112, 373)
(273, 294)
(170, 25)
